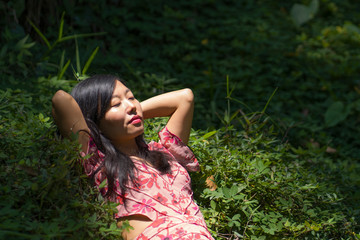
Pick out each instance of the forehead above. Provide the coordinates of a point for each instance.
(120, 89)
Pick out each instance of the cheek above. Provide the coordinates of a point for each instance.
(114, 115)
(112, 119)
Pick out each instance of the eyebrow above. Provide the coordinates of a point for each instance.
(117, 96)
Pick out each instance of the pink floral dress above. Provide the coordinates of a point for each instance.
(166, 199)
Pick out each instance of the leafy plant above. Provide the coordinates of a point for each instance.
(60, 38)
(301, 13)
(281, 169)
(265, 188)
(15, 58)
(42, 182)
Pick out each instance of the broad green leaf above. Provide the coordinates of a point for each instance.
(102, 184)
(209, 134)
(352, 28)
(226, 192)
(302, 14)
(261, 166)
(236, 217)
(234, 190)
(213, 204)
(336, 113)
(314, 7)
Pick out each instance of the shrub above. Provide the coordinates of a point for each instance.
(44, 193)
(263, 187)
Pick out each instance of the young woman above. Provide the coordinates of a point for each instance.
(149, 181)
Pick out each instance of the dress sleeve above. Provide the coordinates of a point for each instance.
(91, 161)
(179, 150)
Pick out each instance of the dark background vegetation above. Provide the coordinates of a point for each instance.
(277, 86)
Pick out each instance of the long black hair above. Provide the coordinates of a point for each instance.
(93, 96)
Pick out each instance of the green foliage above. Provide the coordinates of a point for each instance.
(44, 194)
(60, 38)
(264, 189)
(267, 189)
(280, 139)
(333, 45)
(15, 57)
(336, 113)
(301, 13)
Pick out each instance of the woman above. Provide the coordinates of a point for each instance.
(149, 181)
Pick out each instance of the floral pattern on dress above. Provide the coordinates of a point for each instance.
(180, 151)
(166, 199)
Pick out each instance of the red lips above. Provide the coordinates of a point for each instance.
(135, 119)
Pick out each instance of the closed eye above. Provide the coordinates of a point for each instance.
(116, 105)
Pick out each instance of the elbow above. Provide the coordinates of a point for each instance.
(56, 102)
(188, 95)
(60, 97)
(60, 94)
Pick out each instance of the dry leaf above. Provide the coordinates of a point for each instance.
(210, 183)
(314, 144)
(331, 150)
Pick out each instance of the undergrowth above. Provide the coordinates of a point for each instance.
(277, 140)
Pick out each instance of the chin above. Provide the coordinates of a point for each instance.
(140, 132)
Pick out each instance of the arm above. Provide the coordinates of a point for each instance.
(179, 105)
(69, 118)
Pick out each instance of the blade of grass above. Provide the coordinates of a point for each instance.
(76, 75)
(242, 103)
(88, 62)
(269, 100)
(61, 64)
(61, 26)
(64, 69)
(78, 67)
(234, 115)
(81, 35)
(228, 100)
(62, 60)
(244, 116)
(227, 86)
(40, 34)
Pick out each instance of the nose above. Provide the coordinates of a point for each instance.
(130, 106)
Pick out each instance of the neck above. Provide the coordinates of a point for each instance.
(129, 148)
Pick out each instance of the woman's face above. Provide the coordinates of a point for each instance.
(123, 120)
